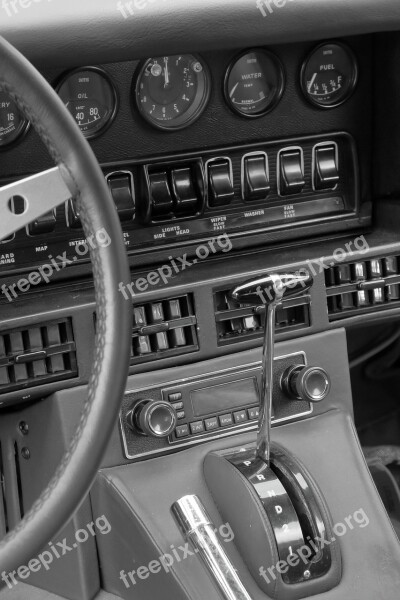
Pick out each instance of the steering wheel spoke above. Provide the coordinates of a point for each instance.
(41, 193)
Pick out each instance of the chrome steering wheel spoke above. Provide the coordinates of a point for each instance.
(41, 193)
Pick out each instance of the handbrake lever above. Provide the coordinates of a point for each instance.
(269, 291)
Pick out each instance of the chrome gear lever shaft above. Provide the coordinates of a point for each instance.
(268, 291)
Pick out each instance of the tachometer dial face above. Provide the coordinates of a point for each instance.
(12, 123)
(91, 99)
(172, 91)
(254, 83)
(329, 75)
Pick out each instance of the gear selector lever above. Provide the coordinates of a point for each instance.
(269, 291)
(272, 503)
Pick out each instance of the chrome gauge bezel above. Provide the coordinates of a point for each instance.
(187, 118)
(115, 98)
(279, 89)
(21, 132)
(351, 86)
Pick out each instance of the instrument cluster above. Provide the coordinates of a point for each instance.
(171, 92)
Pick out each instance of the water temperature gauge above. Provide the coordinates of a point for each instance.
(329, 75)
(12, 122)
(91, 99)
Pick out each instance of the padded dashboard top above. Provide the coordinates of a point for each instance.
(49, 31)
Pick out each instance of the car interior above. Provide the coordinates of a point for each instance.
(199, 299)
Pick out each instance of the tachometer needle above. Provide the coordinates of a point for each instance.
(233, 89)
(312, 81)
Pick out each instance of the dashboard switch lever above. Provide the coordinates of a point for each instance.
(256, 184)
(291, 171)
(220, 184)
(121, 187)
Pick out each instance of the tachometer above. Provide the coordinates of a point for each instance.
(91, 99)
(329, 75)
(172, 91)
(254, 83)
(12, 122)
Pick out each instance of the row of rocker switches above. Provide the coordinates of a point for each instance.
(122, 191)
(174, 192)
(255, 174)
(290, 167)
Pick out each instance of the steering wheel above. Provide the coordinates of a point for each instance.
(77, 175)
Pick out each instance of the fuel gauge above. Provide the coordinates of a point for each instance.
(329, 75)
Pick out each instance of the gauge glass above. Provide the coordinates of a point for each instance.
(91, 99)
(329, 75)
(172, 91)
(12, 122)
(254, 83)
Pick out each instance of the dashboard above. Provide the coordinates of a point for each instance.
(236, 142)
(252, 161)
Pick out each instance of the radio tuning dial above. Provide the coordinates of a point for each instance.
(311, 384)
(156, 418)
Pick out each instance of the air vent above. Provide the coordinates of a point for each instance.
(163, 329)
(236, 324)
(36, 355)
(362, 287)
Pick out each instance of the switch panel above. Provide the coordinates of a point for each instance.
(220, 182)
(248, 191)
(255, 177)
(325, 167)
(291, 171)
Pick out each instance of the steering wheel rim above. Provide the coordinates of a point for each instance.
(79, 168)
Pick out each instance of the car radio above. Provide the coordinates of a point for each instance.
(181, 413)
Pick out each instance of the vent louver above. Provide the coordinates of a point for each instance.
(38, 354)
(362, 287)
(163, 329)
(236, 324)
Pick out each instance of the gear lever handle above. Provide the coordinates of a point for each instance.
(268, 291)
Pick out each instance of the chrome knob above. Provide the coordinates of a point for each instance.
(306, 383)
(152, 417)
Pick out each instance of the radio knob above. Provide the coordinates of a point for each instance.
(306, 383)
(152, 417)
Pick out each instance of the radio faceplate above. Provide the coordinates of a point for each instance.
(210, 406)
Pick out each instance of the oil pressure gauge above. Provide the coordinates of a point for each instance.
(91, 99)
(329, 75)
(12, 122)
